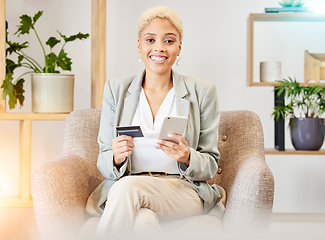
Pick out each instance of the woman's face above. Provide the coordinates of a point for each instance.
(159, 45)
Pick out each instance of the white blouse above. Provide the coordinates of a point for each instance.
(146, 157)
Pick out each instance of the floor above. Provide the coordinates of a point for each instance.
(20, 224)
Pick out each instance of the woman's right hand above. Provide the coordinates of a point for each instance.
(122, 148)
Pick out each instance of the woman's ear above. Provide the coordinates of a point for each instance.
(179, 48)
(139, 45)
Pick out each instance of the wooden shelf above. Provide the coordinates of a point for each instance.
(17, 202)
(288, 17)
(273, 17)
(34, 116)
(293, 152)
(274, 84)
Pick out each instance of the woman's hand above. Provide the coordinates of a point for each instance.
(122, 148)
(178, 151)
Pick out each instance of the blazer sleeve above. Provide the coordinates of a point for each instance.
(105, 136)
(204, 159)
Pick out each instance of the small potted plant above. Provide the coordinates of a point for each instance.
(291, 3)
(305, 110)
(51, 91)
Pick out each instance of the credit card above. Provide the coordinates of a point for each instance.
(133, 131)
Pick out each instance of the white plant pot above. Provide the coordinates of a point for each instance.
(270, 71)
(52, 92)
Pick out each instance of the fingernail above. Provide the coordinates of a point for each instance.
(169, 135)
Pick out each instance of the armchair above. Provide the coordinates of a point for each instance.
(61, 188)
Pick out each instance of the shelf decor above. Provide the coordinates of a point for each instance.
(288, 6)
(306, 109)
(14, 89)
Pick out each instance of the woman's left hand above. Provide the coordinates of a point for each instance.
(178, 151)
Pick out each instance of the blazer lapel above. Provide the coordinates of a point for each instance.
(182, 104)
(131, 100)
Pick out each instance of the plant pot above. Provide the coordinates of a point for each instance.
(52, 92)
(307, 133)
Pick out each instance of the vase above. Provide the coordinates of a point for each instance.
(52, 92)
(307, 133)
(270, 71)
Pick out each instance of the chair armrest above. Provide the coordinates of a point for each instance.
(250, 194)
(60, 191)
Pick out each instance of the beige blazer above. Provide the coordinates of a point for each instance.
(196, 99)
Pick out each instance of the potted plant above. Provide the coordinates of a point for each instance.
(291, 3)
(51, 91)
(305, 110)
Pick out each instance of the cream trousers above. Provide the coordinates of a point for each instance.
(140, 203)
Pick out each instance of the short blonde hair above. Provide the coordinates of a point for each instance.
(163, 13)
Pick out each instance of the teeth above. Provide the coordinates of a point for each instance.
(158, 59)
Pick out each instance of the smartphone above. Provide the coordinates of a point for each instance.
(172, 125)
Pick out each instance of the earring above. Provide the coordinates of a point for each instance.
(139, 57)
(177, 60)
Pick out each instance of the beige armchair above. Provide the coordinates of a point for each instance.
(61, 188)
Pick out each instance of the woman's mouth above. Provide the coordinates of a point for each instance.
(158, 59)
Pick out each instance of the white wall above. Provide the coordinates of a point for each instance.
(214, 48)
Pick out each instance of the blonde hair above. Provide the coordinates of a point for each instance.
(163, 13)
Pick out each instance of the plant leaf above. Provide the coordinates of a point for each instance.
(11, 66)
(79, 36)
(26, 24)
(64, 61)
(37, 16)
(52, 41)
(9, 90)
(19, 88)
(15, 46)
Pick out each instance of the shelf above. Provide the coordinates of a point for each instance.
(34, 116)
(17, 202)
(274, 17)
(274, 84)
(293, 152)
(288, 17)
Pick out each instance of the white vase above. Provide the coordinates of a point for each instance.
(270, 71)
(52, 92)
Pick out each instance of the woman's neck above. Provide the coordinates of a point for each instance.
(158, 82)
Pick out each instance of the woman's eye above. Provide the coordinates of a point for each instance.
(150, 40)
(169, 41)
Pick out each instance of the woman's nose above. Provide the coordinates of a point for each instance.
(159, 47)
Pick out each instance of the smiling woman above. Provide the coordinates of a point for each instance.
(150, 181)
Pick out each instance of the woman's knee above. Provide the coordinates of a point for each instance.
(126, 186)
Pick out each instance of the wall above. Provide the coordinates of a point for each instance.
(214, 48)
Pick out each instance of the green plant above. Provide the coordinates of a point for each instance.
(291, 3)
(52, 61)
(304, 102)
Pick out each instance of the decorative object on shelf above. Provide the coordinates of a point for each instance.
(291, 3)
(306, 109)
(307, 133)
(314, 67)
(270, 71)
(14, 88)
(288, 6)
(52, 92)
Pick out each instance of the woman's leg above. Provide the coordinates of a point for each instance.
(145, 220)
(167, 196)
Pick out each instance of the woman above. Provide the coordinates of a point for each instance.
(150, 181)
